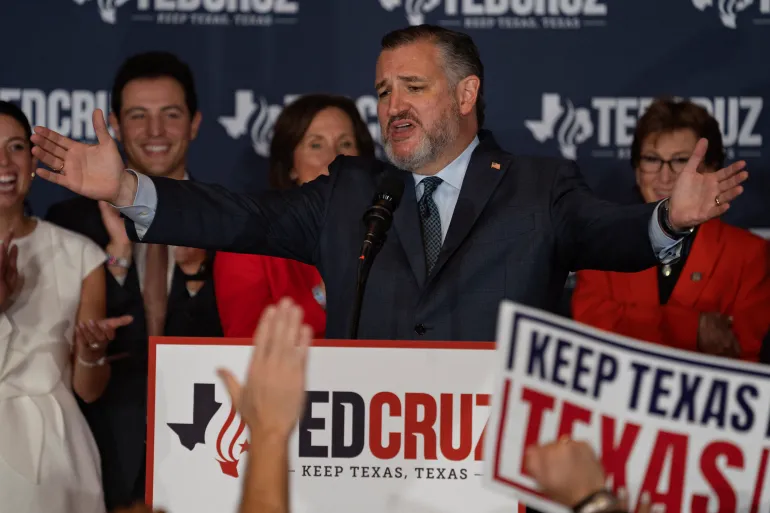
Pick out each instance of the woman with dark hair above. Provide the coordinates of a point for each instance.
(308, 136)
(714, 295)
(53, 343)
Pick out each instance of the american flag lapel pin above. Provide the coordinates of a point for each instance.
(496, 165)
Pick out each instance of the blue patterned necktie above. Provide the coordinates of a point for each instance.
(431, 222)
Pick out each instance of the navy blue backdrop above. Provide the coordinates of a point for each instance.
(563, 77)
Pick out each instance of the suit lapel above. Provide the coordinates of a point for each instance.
(406, 222)
(699, 265)
(485, 171)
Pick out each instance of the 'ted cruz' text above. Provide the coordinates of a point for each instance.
(414, 417)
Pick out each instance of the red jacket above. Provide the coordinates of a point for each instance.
(246, 284)
(726, 272)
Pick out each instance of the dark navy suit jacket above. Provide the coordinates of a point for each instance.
(520, 225)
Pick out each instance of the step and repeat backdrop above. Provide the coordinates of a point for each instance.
(563, 77)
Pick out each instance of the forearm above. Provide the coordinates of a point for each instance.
(266, 483)
(89, 379)
(185, 213)
(597, 234)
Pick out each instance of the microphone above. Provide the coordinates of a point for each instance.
(377, 220)
(379, 216)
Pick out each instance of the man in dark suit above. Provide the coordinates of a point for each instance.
(169, 291)
(475, 225)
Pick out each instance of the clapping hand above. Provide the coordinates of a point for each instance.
(698, 197)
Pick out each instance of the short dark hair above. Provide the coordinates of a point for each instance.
(460, 54)
(293, 122)
(11, 109)
(667, 114)
(154, 65)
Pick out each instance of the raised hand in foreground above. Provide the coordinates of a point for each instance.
(273, 396)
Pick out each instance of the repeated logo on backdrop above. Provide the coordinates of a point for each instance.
(502, 14)
(243, 13)
(68, 112)
(605, 125)
(255, 115)
(730, 10)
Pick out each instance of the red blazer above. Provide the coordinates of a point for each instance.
(245, 284)
(726, 272)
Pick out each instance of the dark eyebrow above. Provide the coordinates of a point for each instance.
(410, 79)
(143, 109)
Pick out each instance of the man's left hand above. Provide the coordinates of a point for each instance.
(698, 197)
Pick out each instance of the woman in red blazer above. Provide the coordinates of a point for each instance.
(715, 298)
(308, 135)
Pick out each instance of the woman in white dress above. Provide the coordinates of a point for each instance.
(53, 339)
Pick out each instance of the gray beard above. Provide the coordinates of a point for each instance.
(432, 145)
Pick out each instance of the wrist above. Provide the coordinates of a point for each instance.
(600, 501)
(671, 229)
(127, 189)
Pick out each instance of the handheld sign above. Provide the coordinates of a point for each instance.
(688, 428)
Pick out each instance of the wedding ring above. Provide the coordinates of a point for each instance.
(60, 168)
(716, 200)
(94, 346)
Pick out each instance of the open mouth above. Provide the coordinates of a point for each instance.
(8, 182)
(156, 149)
(402, 129)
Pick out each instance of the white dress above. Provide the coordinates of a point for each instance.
(49, 462)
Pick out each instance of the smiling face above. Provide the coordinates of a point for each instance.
(16, 163)
(420, 113)
(155, 126)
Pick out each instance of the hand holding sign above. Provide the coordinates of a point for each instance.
(685, 428)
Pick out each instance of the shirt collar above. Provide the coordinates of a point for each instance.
(454, 173)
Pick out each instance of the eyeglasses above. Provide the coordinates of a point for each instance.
(650, 164)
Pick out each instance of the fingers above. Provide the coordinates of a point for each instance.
(46, 174)
(262, 334)
(731, 170)
(622, 499)
(100, 127)
(290, 330)
(49, 152)
(234, 389)
(116, 322)
(694, 163)
(44, 136)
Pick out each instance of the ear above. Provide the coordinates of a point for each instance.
(467, 92)
(115, 124)
(195, 125)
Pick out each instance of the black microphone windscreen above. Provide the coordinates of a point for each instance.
(391, 186)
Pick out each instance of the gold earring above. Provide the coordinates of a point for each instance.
(33, 174)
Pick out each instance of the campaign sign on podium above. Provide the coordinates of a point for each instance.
(392, 427)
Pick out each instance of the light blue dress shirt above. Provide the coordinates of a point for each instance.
(142, 211)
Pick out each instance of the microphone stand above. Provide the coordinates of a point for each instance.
(368, 252)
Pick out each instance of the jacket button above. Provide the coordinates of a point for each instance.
(420, 329)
